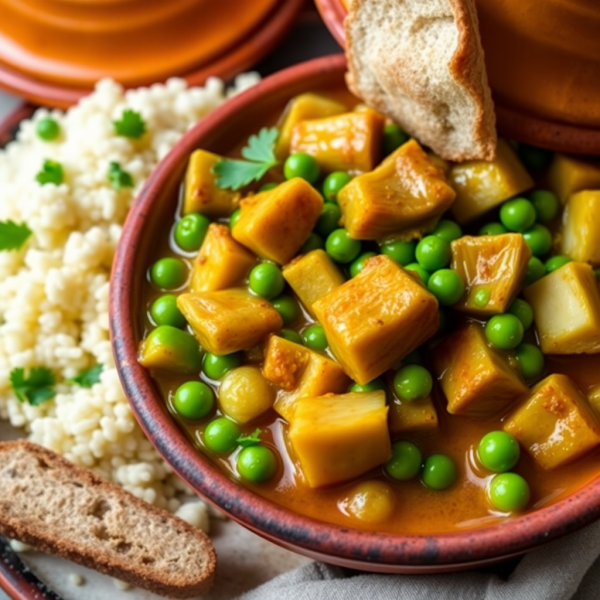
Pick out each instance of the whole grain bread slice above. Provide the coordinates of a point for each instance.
(421, 63)
(57, 507)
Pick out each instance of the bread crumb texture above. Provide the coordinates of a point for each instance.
(54, 290)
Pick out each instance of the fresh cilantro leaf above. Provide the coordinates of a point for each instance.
(235, 174)
(130, 124)
(34, 388)
(52, 172)
(249, 440)
(86, 379)
(13, 235)
(119, 178)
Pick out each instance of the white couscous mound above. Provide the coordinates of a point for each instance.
(54, 290)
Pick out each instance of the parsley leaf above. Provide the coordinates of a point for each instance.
(119, 178)
(52, 172)
(86, 379)
(130, 124)
(249, 440)
(36, 388)
(13, 235)
(235, 174)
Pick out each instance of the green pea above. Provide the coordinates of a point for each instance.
(168, 273)
(47, 129)
(424, 274)
(373, 386)
(546, 205)
(216, 365)
(302, 165)
(556, 262)
(413, 382)
(482, 297)
(194, 400)
(498, 451)
(504, 331)
(518, 214)
(291, 336)
(535, 270)
(190, 231)
(447, 286)
(531, 360)
(234, 218)
(448, 230)
(401, 252)
(266, 280)
(508, 492)
(523, 311)
(313, 242)
(221, 435)
(170, 349)
(341, 247)
(405, 462)
(334, 182)
(329, 219)
(257, 463)
(433, 253)
(164, 311)
(439, 472)
(539, 239)
(493, 229)
(534, 159)
(314, 337)
(267, 187)
(393, 138)
(358, 265)
(288, 309)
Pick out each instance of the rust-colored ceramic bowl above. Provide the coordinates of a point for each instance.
(156, 204)
(543, 66)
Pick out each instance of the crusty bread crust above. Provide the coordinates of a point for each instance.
(448, 106)
(62, 509)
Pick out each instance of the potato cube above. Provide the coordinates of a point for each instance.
(375, 319)
(403, 197)
(229, 320)
(275, 224)
(581, 227)
(312, 276)
(201, 192)
(300, 372)
(566, 306)
(413, 417)
(477, 380)
(340, 437)
(570, 174)
(245, 394)
(348, 142)
(555, 424)
(482, 185)
(301, 108)
(495, 263)
(221, 263)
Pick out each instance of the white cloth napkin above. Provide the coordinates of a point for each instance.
(566, 569)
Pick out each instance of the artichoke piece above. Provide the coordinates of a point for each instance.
(496, 264)
(375, 319)
(568, 175)
(566, 305)
(555, 425)
(229, 320)
(482, 185)
(348, 142)
(581, 227)
(417, 416)
(477, 380)
(167, 348)
(275, 224)
(245, 394)
(402, 198)
(201, 194)
(338, 437)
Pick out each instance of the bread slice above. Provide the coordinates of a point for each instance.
(420, 62)
(51, 504)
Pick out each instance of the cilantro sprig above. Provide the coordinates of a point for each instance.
(51, 172)
(249, 440)
(118, 177)
(260, 154)
(131, 124)
(86, 379)
(13, 235)
(35, 387)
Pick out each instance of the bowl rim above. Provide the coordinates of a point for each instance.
(333, 543)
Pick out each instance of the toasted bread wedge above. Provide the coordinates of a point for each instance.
(420, 62)
(51, 504)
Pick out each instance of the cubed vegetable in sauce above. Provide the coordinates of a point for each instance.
(570, 174)
(245, 394)
(580, 239)
(412, 417)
